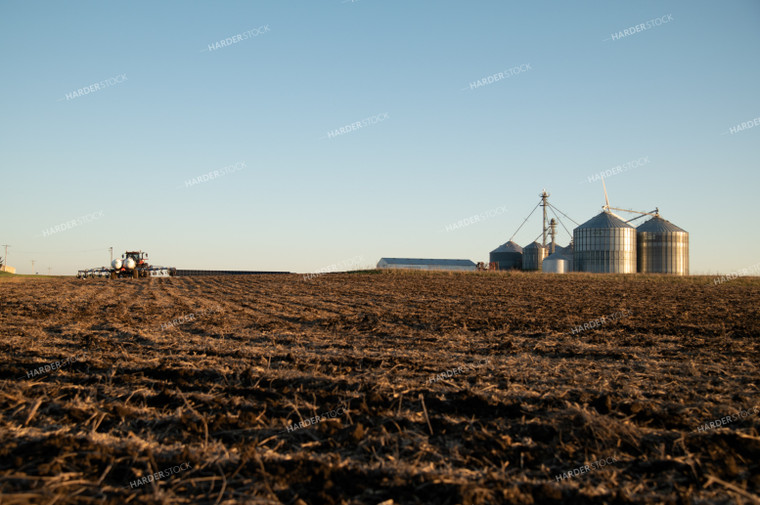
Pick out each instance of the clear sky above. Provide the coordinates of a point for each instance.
(127, 157)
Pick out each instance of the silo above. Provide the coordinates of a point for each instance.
(533, 256)
(562, 250)
(556, 263)
(508, 256)
(568, 252)
(605, 244)
(662, 248)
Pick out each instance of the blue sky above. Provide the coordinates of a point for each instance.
(305, 200)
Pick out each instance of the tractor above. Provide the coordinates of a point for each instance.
(132, 264)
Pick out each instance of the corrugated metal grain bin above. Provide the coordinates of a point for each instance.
(533, 256)
(507, 256)
(662, 248)
(605, 244)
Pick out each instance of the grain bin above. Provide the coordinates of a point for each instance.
(605, 244)
(533, 256)
(556, 263)
(662, 248)
(567, 250)
(507, 256)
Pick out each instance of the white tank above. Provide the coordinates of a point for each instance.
(116, 264)
(129, 263)
(556, 264)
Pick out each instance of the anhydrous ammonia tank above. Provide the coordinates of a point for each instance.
(508, 256)
(605, 244)
(533, 256)
(556, 263)
(662, 248)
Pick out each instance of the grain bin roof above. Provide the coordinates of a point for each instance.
(533, 246)
(659, 225)
(556, 256)
(508, 247)
(605, 220)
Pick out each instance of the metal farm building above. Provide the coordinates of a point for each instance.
(426, 264)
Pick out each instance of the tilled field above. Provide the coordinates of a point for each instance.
(371, 388)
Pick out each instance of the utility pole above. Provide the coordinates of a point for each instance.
(5, 258)
(111, 249)
(32, 267)
(48, 270)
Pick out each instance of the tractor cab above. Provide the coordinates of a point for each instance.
(139, 257)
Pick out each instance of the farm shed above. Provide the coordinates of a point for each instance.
(426, 264)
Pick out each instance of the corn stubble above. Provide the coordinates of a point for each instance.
(218, 391)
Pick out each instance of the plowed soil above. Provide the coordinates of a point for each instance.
(442, 388)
